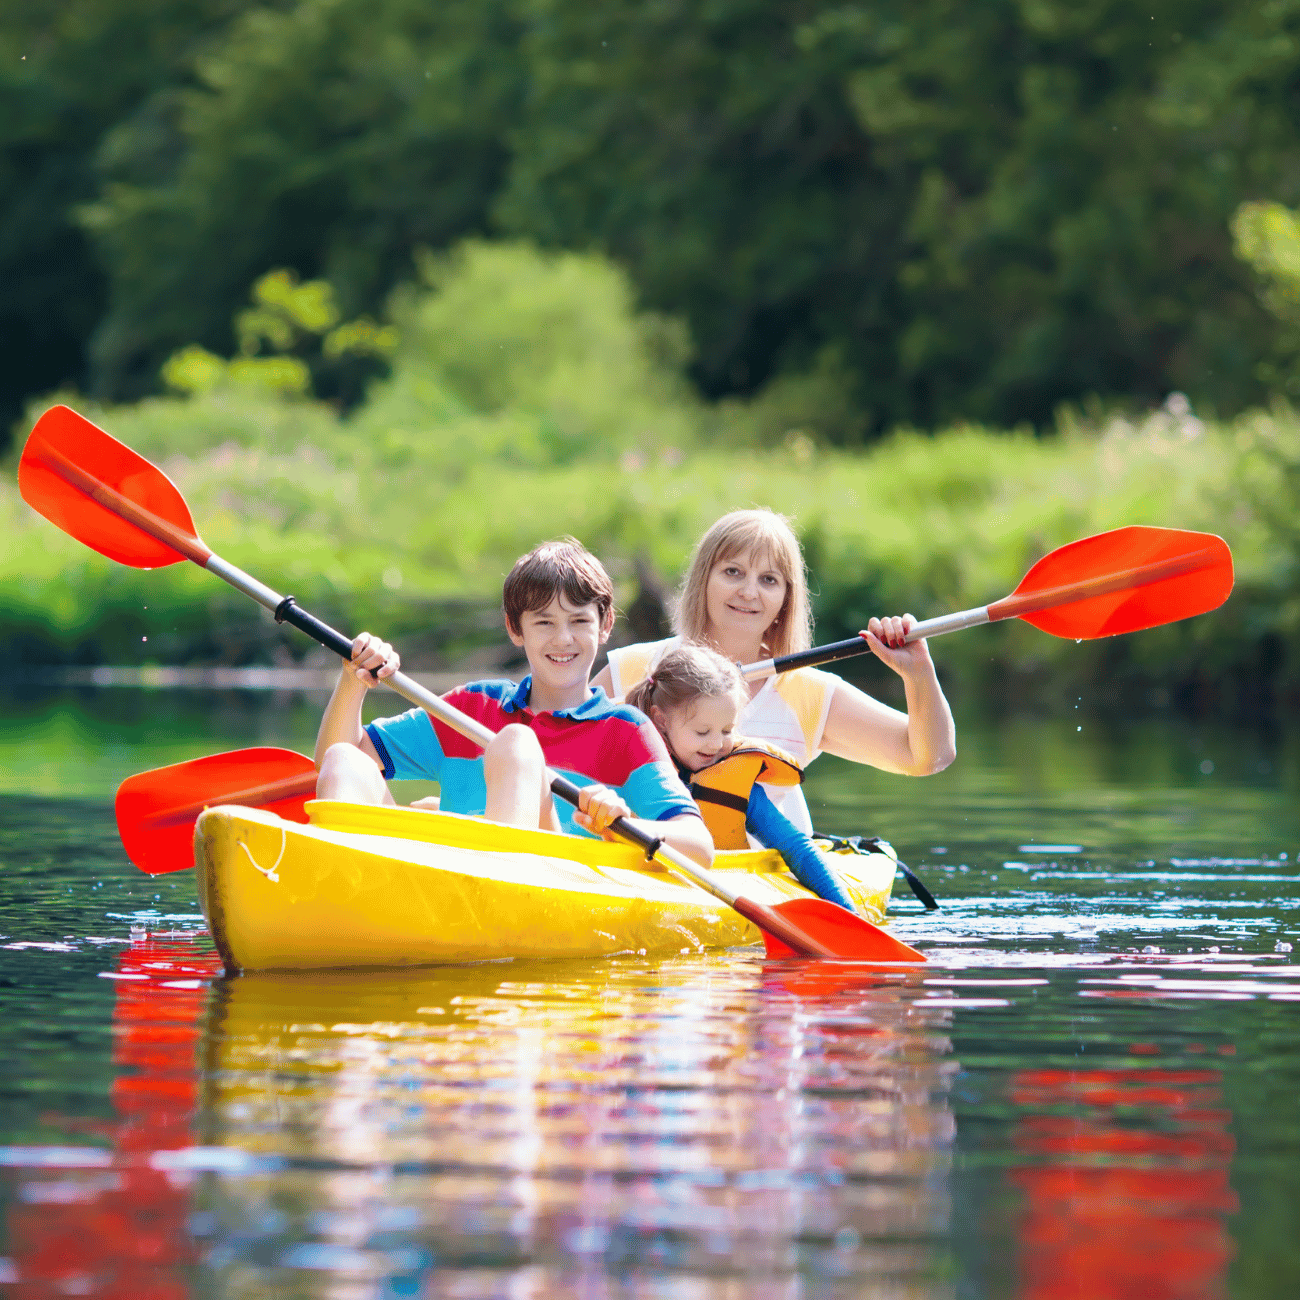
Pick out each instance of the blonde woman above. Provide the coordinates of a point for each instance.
(746, 595)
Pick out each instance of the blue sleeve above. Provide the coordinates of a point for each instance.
(407, 746)
(772, 828)
(655, 792)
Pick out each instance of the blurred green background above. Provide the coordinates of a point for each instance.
(395, 290)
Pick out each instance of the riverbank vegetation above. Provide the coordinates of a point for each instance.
(527, 398)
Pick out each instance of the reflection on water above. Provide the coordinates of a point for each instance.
(111, 1219)
(1089, 1092)
(1125, 1183)
(606, 1120)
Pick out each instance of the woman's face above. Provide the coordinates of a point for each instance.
(743, 597)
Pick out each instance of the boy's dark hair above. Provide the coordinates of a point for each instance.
(561, 568)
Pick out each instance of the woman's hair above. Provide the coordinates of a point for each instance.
(683, 675)
(769, 536)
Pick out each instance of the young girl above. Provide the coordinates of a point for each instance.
(694, 697)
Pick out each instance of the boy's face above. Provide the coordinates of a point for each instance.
(561, 642)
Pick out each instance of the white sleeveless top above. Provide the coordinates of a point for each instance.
(788, 711)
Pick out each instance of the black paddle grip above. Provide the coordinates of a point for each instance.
(565, 789)
(822, 654)
(288, 611)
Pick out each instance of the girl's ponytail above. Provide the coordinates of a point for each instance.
(641, 695)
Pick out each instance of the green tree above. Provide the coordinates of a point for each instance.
(980, 210)
(69, 73)
(1267, 236)
(333, 137)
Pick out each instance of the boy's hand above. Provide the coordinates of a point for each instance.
(373, 660)
(597, 807)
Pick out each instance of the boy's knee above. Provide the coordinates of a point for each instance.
(346, 773)
(514, 745)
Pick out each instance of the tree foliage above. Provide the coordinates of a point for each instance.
(887, 213)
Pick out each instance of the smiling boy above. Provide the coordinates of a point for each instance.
(558, 603)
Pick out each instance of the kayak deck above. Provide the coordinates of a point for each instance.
(368, 886)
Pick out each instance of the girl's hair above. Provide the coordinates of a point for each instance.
(683, 675)
(769, 536)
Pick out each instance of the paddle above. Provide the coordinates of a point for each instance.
(112, 499)
(156, 810)
(1125, 580)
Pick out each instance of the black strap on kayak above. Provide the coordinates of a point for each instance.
(871, 844)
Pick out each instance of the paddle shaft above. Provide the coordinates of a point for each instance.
(1012, 606)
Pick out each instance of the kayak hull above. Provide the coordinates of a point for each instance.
(382, 887)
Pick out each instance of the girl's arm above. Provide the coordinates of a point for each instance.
(771, 827)
(921, 741)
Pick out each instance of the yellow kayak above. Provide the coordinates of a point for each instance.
(366, 886)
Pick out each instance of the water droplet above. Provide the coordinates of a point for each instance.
(1281, 946)
(1207, 766)
(1078, 640)
(1151, 948)
(144, 638)
(1079, 728)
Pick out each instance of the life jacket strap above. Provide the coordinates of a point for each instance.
(707, 794)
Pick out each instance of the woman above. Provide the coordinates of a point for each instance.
(745, 594)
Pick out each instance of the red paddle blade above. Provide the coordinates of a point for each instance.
(1122, 581)
(104, 494)
(156, 810)
(847, 935)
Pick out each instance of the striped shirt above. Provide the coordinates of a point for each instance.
(599, 741)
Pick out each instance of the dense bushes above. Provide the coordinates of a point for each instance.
(526, 399)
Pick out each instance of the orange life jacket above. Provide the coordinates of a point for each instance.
(722, 789)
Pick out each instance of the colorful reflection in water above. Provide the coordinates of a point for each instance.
(117, 1225)
(593, 1121)
(1126, 1184)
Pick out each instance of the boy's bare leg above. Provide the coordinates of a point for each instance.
(515, 772)
(348, 774)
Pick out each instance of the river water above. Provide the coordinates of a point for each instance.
(1090, 1091)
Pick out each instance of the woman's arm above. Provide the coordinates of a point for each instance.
(605, 681)
(921, 741)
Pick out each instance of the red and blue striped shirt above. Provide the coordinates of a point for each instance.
(598, 741)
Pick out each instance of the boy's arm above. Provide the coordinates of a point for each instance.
(341, 723)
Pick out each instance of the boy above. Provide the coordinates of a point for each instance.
(559, 608)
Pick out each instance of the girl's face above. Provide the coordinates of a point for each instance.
(743, 597)
(701, 732)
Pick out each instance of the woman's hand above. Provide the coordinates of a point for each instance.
(886, 636)
(598, 806)
(373, 660)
